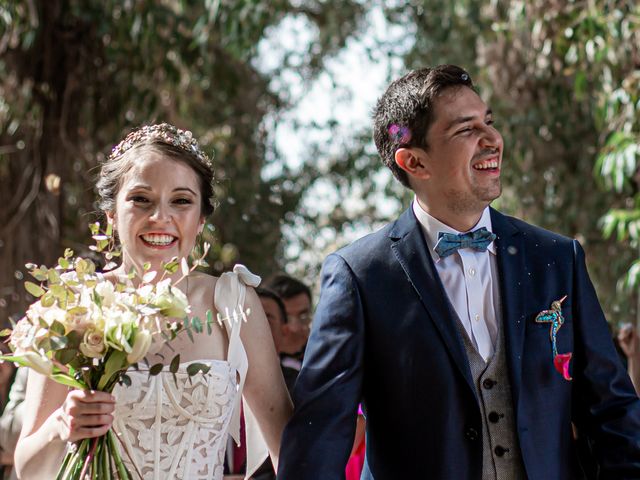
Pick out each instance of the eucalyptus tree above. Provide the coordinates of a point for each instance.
(75, 76)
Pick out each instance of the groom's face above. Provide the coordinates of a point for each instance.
(464, 153)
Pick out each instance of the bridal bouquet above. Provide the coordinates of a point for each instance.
(86, 332)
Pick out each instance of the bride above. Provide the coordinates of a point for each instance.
(156, 188)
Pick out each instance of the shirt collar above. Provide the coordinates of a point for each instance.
(431, 226)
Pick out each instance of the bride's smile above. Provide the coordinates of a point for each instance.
(157, 213)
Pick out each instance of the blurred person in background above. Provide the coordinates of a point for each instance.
(11, 420)
(629, 343)
(297, 300)
(7, 372)
(276, 313)
(8, 437)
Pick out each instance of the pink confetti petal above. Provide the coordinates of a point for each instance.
(561, 362)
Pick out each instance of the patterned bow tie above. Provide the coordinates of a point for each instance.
(450, 242)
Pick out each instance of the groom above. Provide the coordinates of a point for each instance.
(473, 354)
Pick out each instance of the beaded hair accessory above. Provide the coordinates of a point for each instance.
(164, 132)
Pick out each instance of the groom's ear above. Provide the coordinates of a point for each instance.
(412, 161)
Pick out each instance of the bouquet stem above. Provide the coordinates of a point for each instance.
(94, 459)
(72, 461)
(123, 473)
(89, 458)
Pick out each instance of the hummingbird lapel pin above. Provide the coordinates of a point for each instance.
(555, 318)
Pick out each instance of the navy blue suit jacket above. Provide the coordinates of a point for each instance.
(383, 335)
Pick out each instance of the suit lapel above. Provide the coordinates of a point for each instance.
(511, 268)
(410, 249)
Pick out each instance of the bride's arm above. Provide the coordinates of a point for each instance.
(264, 389)
(47, 428)
(39, 449)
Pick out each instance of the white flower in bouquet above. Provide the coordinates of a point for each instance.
(141, 344)
(37, 312)
(119, 328)
(107, 292)
(145, 292)
(171, 301)
(77, 318)
(93, 345)
(37, 362)
(23, 336)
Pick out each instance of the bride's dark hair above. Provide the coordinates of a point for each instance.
(162, 139)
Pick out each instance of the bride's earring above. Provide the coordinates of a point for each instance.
(197, 246)
(200, 236)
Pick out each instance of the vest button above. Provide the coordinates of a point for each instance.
(494, 417)
(488, 383)
(500, 450)
(471, 434)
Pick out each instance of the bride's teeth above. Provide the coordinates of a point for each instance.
(158, 239)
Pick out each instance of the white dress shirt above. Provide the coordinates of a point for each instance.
(470, 279)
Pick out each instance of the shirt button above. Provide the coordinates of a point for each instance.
(488, 384)
(477, 317)
(494, 417)
(472, 271)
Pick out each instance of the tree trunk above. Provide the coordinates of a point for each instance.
(32, 222)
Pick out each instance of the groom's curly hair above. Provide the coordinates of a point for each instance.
(404, 113)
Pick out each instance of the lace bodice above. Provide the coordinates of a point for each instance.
(177, 429)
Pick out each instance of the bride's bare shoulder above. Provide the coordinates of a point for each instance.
(202, 281)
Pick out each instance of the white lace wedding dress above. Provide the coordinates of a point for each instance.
(178, 430)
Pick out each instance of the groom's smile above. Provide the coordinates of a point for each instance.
(463, 156)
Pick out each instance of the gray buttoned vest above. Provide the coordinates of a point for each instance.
(501, 458)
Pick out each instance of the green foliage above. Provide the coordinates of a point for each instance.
(77, 75)
(194, 368)
(156, 369)
(196, 324)
(187, 327)
(115, 363)
(175, 364)
(65, 380)
(563, 84)
(33, 289)
(617, 162)
(562, 80)
(125, 380)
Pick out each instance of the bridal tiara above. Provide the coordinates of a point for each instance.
(164, 132)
